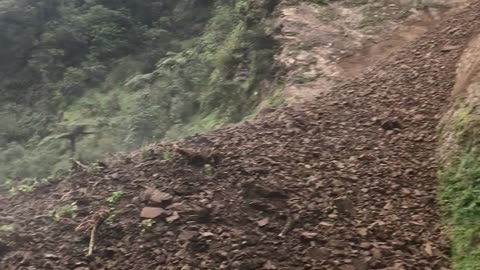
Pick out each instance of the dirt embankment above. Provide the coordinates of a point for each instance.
(465, 98)
(468, 72)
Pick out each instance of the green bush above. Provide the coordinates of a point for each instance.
(460, 200)
(459, 195)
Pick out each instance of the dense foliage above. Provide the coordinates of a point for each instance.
(132, 71)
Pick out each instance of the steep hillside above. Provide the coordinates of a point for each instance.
(126, 73)
(347, 181)
(87, 79)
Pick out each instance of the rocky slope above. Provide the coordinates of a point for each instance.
(346, 181)
(324, 45)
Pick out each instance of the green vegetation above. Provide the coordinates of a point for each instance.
(93, 169)
(66, 211)
(111, 218)
(168, 155)
(115, 197)
(25, 188)
(131, 72)
(460, 193)
(462, 120)
(207, 169)
(26, 185)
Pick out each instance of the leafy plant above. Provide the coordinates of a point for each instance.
(26, 185)
(115, 197)
(168, 155)
(111, 218)
(66, 211)
(207, 169)
(25, 188)
(462, 119)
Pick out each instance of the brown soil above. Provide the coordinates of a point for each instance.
(464, 111)
(402, 35)
(325, 45)
(344, 182)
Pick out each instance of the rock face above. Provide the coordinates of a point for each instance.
(152, 212)
(319, 186)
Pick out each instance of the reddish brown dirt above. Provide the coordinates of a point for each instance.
(403, 34)
(345, 182)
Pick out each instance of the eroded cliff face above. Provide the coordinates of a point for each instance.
(468, 73)
(460, 117)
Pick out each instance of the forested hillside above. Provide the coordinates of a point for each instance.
(92, 77)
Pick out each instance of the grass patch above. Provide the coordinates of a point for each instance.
(115, 197)
(460, 201)
(27, 185)
(462, 118)
(198, 124)
(111, 219)
(459, 195)
(168, 155)
(66, 211)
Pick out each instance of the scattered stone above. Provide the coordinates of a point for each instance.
(160, 197)
(377, 254)
(174, 217)
(363, 231)
(263, 222)
(391, 125)
(186, 235)
(51, 256)
(153, 212)
(308, 235)
(318, 253)
(344, 205)
(448, 48)
(207, 234)
(220, 255)
(269, 266)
